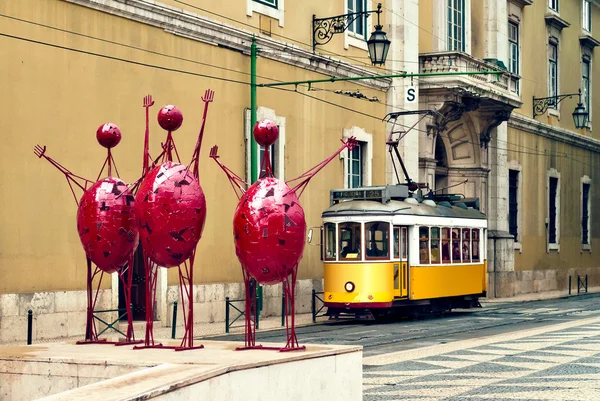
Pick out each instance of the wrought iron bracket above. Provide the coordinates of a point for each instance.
(541, 104)
(324, 28)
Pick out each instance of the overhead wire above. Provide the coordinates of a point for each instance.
(238, 82)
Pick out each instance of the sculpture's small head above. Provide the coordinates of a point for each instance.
(266, 132)
(170, 118)
(108, 135)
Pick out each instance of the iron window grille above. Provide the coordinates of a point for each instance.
(513, 206)
(552, 210)
(585, 214)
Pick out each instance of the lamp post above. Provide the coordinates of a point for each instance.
(580, 115)
(378, 44)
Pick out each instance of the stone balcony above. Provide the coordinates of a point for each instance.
(501, 88)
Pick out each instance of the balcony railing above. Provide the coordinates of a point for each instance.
(504, 87)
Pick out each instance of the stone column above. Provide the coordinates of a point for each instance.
(501, 265)
(403, 56)
(496, 30)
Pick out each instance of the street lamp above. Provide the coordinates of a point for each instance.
(378, 44)
(580, 115)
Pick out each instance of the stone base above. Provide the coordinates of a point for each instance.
(64, 371)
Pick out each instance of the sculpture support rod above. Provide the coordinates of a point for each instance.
(253, 144)
(402, 75)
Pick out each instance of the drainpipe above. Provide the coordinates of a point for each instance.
(253, 145)
(495, 258)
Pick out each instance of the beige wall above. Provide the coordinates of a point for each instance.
(572, 163)
(58, 98)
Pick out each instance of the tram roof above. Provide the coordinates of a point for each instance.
(400, 207)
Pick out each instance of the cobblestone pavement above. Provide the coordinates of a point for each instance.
(555, 362)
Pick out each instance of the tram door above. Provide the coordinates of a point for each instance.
(400, 261)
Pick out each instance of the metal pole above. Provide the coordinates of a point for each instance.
(313, 307)
(402, 75)
(282, 308)
(29, 326)
(253, 145)
(586, 283)
(174, 322)
(226, 314)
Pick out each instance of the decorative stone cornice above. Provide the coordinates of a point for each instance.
(522, 3)
(556, 21)
(203, 29)
(589, 41)
(529, 125)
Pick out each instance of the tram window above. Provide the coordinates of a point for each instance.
(404, 243)
(424, 245)
(475, 244)
(466, 245)
(435, 245)
(396, 243)
(445, 245)
(377, 240)
(349, 241)
(456, 245)
(330, 253)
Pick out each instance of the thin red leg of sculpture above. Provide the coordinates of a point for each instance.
(151, 273)
(250, 317)
(148, 102)
(186, 286)
(289, 289)
(237, 183)
(126, 283)
(208, 98)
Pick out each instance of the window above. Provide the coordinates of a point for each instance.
(400, 241)
(456, 245)
(456, 25)
(446, 245)
(355, 161)
(552, 72)
(377, 240)
(585, 85)
(552, 229)
(475, 245)
(466, 245)
(585, 212)
(435, 245)
(404, 243)
(553, 5)
(349, 239)
(359, 26)
(513, 203)
(330, 252)
(586, 15)
(271, 3)
(424, 245)
(513, 46)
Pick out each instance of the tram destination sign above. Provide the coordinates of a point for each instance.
(382, 194)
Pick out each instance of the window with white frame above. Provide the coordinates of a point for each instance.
(358, 27)
(553, 211)
(456, 25)
(358, 161)
(585, 85)
(553, 5)
(513, 45)
(270, 8)
(586, 15)
(552, 72)
(276, 151)
(585, 212)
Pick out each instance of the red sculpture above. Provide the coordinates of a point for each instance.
(170, 211)
(107, 229)
(269, 230)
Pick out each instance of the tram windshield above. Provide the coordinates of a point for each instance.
(349, 243)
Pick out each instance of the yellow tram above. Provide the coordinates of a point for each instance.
(383, 249)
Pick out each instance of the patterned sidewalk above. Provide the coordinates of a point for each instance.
(558, 362)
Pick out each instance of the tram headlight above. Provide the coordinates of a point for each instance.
(349, 286)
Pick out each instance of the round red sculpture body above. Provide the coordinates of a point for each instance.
(266, 132)
(170, 210)
(106, 224)
(170, 118)
(269, 230)
(108, 135)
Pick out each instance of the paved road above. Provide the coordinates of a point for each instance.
(538, 350)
